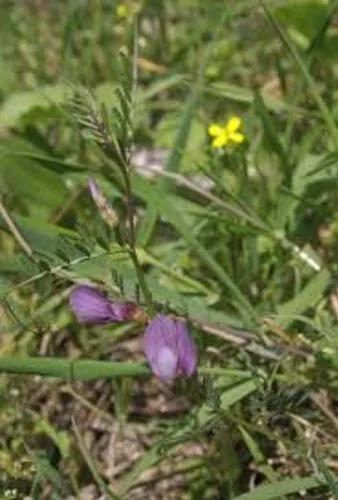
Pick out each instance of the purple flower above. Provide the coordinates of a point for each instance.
(90, 306)
(169, 348)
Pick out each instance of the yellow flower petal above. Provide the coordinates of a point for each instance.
(220, 141)
(121, 10)
(233, 124)
(237, 137)
(215, 130)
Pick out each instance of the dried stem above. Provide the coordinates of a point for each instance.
(15, 231)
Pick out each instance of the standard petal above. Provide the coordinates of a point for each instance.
(90, 306)
(169, 348)
(233, 124)
(159, 334)
(165, 365)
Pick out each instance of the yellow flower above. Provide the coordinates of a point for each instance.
(228, 134)
(121, 11)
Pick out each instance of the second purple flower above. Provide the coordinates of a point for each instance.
(169, 348)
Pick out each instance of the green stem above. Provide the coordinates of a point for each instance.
(86, 369)
(142, 281)
(71, 370)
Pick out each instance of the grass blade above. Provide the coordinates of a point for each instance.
(279, 488)
(91, 465)
(327, 117)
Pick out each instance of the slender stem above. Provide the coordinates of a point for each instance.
(142, 281)
(126, 169)
(129, 241)
(15, 231)
(130, 205)
(132, 241)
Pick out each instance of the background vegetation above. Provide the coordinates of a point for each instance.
(241, 241)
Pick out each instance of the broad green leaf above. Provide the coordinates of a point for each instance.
(311, 169)
(244, 95)
(305, 16)
(39, 189)
(305, 73)
(40, 235)
(237, 393)
(307, 297)
(17, 264)
(189, 149)
(17, 107)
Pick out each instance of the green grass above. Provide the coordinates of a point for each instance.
(240, 241)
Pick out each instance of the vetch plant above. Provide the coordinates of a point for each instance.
(115, 138)
(167, 343)
(163, 264)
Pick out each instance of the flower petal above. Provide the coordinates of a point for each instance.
(165, 366)
(214, 130)
(237, 137)
(169, 348)
(159, 334)
(187, 351)
(220, 141)
(233, 124)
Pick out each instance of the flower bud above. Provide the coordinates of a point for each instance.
(169, 348)
(107, 212)
(90, 306)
